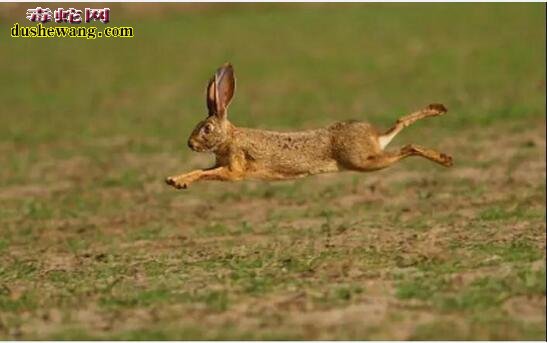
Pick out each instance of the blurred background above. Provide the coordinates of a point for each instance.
(297, 65)
(95, 246)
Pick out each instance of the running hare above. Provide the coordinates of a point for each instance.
(268, 155)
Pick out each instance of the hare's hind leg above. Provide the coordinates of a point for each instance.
(386, 158)
(432, 155)
(430, 111)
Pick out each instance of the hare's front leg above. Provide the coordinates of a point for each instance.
(183, 180)
(218, 174)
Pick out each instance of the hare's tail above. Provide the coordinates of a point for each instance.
(430, 111)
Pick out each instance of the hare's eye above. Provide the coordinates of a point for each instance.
(207, 129)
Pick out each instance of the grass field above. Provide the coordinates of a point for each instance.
(93, 245)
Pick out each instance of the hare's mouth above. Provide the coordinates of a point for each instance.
(196, 146)
(192, 145)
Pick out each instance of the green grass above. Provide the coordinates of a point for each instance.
(94, 246)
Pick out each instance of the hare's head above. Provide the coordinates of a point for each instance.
(213, 133)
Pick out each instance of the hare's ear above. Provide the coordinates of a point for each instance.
(225, 85)
(211, 97)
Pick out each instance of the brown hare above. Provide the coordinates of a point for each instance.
(243, 153)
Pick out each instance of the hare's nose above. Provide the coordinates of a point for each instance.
(191, 145)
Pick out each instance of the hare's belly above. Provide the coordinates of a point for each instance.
(300, 163)
(282, 171)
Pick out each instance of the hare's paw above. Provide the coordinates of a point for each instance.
(173, 181)
(446, 160)
(437, 109)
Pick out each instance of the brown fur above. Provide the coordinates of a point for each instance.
(243, 153)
